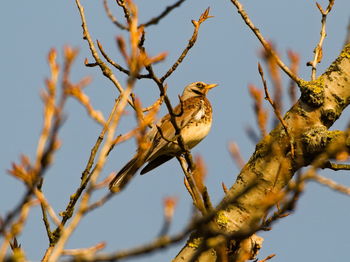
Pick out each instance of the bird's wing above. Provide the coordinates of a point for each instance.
(125, 174)
(155, 163)
(186, 112)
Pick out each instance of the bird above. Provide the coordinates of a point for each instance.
(193, 116)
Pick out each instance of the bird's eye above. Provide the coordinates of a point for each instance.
(199, 85)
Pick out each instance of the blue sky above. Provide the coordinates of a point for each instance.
(226, 53)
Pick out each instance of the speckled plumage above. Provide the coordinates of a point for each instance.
(194, 118)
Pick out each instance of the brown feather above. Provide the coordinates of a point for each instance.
(193, 117)
(125, 175)
(155, 163)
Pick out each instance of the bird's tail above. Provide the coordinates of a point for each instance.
(124, 175)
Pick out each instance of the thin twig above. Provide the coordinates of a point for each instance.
(112, 17)
(152, 21)
(267, 258)
(87, 64)
(196, 223)
(262, 40)
(168, 9)
(137, 251)
(135, 62)
(116, 65)
(75, 90)
(224, 188)
(65, 233)
(100, 202)
(157, 103)
(84, 252)
(43, 201)
(318, 50)
(127, 15)
(104, 68)
(193, 189)
(275, 75)
(48, 141)
(276, 111)
(46, 222)
(330, 183)
(190, 44)
(67, 214)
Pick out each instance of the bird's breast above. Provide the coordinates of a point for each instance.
(195, 132)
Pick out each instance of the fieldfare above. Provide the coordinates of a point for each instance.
(193, 117)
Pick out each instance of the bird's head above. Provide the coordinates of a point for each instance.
(196, 89)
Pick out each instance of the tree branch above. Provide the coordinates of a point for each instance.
(271, 167)
(262, 40)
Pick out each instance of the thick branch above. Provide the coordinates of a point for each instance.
(271, 167)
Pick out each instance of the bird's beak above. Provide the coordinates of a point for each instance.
(210, 86)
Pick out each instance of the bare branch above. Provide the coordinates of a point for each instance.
(104, 68)
(137, 251)
(112, 17)
(192, 187)
(65, 233)
(116, 65)
(43, 201)
(276, 111)
(261, 113)
(190, 44)
(48, 144)
(329, 183)
(318, 50)
(262, 40)
(168, 9)
(100, 202)
(123, 4)
(166, 241)
(276, 79)
(67, 214)
(84, 252)
(267, 258)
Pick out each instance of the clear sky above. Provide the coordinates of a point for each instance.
(226, 53)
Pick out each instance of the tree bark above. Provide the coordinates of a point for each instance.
(272, 165)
